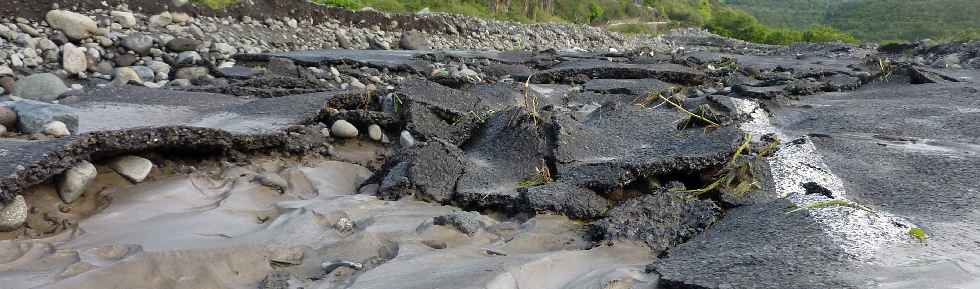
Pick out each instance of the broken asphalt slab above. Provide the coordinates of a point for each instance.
(133, 119)
(620, 143)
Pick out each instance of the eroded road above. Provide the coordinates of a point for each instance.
(590, 171)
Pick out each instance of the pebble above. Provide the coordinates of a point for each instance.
(343, 129)
(406, 139)
(73, 182)
(374, 131)
(14, 214)
(132, 167)
(56, 129)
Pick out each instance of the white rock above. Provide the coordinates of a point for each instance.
(343, 129)
(73, 182)
(75, 26)
(126, 19)
(3, 130)
(13, 215)
(6, 70)
(162, 19)
(374, 131)
(73, 59)
(123, 75)
(133, 168)
(406, 139)
(56, 129)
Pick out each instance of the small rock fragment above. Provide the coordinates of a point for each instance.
(73, 182)
(343, 129)
(133, 168)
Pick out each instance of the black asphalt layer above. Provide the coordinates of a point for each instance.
(134, 119)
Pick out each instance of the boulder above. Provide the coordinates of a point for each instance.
(33, 116)
(125, 19)
(138, 42)
(191, 72)
(413, 40)
(183, 44)
(133, 168)
(41, 86)
(123, 75)
(73, 59)
(73, 182)
(188, 58)
(75, 26)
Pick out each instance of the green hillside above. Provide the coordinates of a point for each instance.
(711, 14)
(872, 20)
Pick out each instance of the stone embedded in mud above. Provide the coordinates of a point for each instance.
(661, 220)
(75, 180)
(272, 180)
(56, 129)
(465, 222)
(427, 171)
(566, 199)
(133, 168)
(299, 184)
(287, 256)
(343, 129)
(374, 131)
(13, 214)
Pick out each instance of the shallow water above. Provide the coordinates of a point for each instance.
(203, 231)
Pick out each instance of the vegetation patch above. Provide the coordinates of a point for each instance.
(542, 175)
(216, 4)
(918, 234)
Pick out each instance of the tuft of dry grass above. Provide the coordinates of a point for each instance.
(542, 175)
(736, 177)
